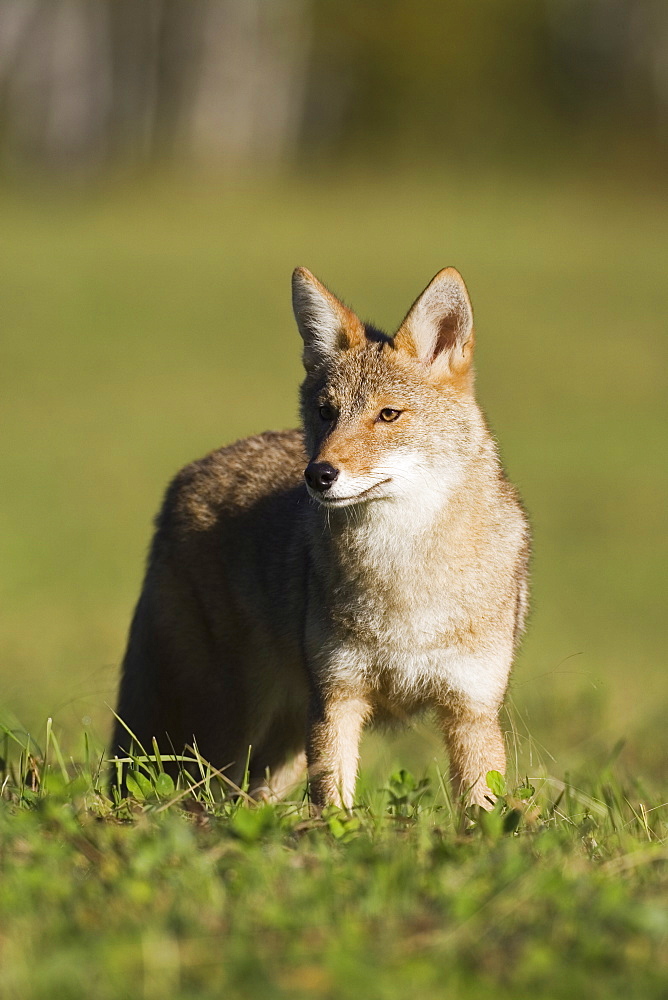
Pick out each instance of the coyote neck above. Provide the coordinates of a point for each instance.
(396, 546)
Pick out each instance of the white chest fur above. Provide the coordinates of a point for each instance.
(402, 680)
(406, 602)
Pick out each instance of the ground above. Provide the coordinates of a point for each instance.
(558, 892)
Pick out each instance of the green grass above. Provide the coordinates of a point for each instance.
(558, 892)
(143, 326)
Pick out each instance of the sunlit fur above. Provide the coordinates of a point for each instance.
(286, 618)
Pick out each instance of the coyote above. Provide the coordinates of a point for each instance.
(367, 567)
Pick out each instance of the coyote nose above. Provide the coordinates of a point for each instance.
(320, 475)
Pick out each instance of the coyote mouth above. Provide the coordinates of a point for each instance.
(329, 501)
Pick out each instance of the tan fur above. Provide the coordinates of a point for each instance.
(281, 618)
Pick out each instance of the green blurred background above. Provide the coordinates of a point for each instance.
(164, 168)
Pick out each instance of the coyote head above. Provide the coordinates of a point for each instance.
(386, 417)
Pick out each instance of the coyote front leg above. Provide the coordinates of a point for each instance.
(332, 749)
(475, 744)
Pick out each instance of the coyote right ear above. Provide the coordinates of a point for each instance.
(326, 325)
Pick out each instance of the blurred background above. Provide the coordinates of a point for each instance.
(165, 165)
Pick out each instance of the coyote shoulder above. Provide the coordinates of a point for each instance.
(371, 565)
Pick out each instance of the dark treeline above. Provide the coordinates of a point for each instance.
(85, 83)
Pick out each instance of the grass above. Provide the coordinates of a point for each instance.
(183, 892)
(144, 325)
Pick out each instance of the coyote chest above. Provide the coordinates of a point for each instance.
(398, 605)
(406, 614)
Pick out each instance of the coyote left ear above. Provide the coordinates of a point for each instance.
(438, 329)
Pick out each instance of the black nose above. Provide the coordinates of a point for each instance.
(320, 475)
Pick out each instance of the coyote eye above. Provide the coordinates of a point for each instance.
(327, 412)
(387, 414)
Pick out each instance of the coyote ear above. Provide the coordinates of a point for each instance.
(326, 325)
(439, 326)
